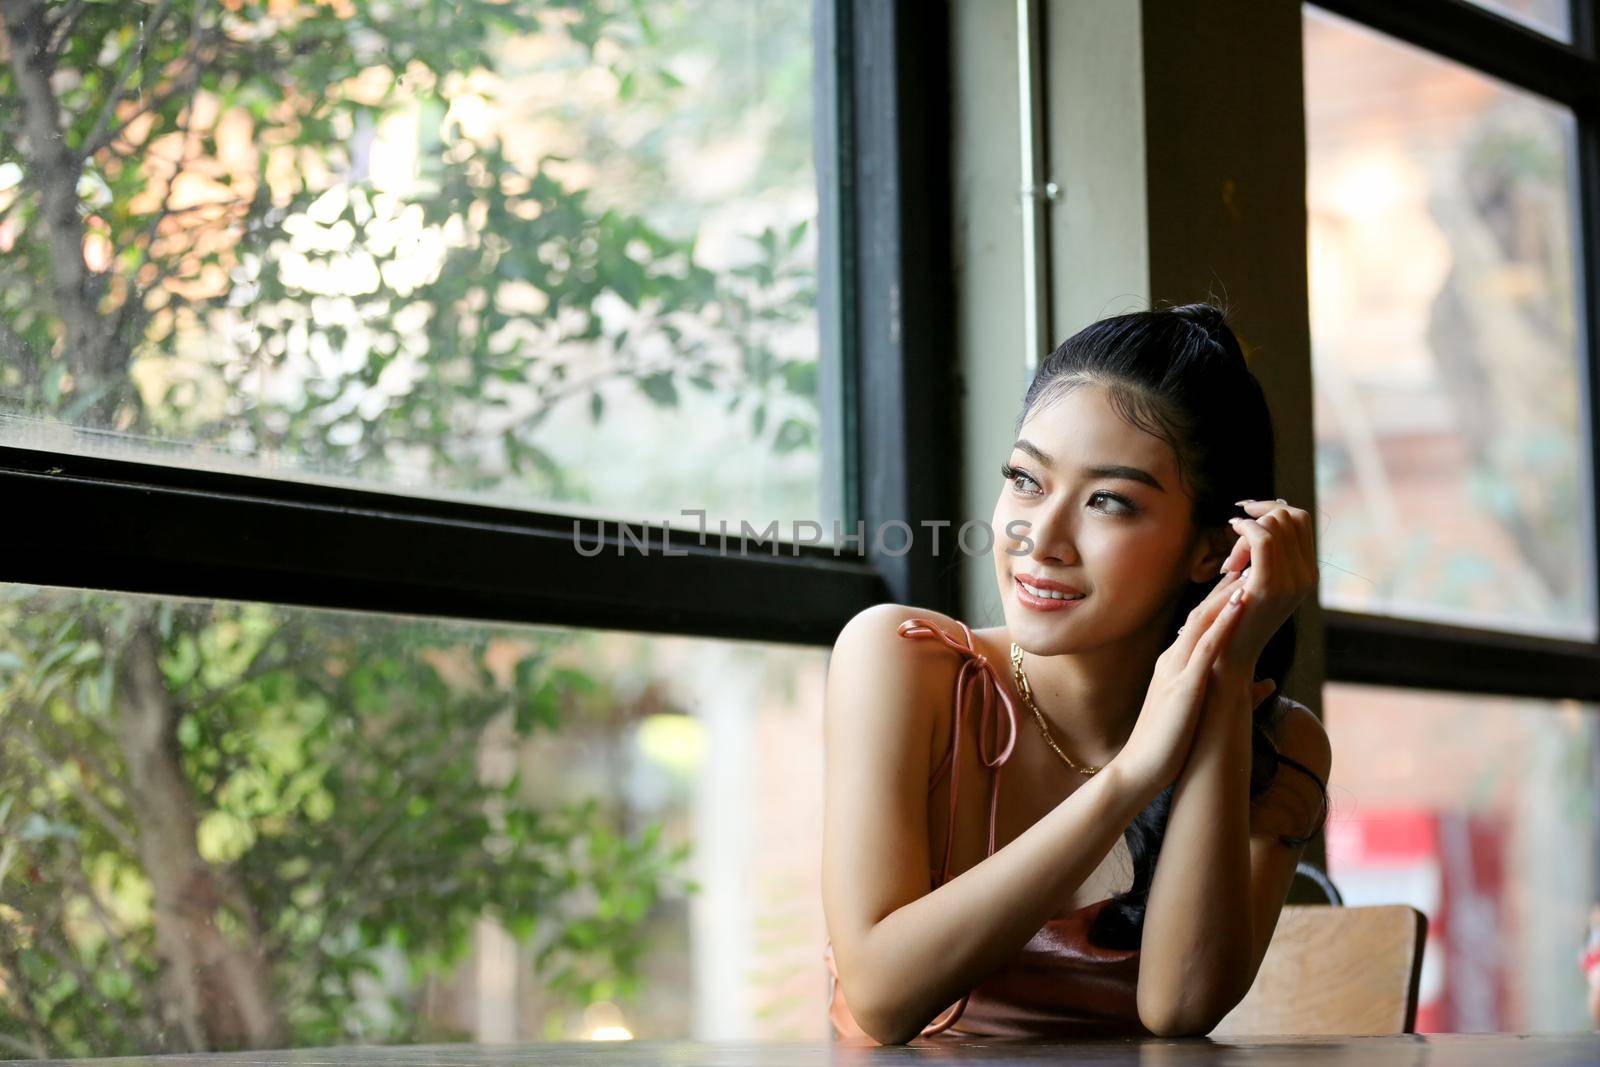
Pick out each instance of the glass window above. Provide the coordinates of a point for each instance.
(398, 830)
(556, 254)
(1450, 474)
(1550, 17)
(1483, 814)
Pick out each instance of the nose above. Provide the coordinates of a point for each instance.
(1054, 537)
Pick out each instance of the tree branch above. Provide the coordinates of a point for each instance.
(119, 959)
(134, 301)
(103, 815)
(15, 351)
(109, 105)
(60, 947)
(54, 170)
(337, 917)
(37, 718)
(257, 668)
(152, 103)
(24, 995)
(59, 28)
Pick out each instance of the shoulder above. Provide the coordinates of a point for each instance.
(874, 634)
(884, 691)
(872, 656)
(1300, 735)
(1291, 801)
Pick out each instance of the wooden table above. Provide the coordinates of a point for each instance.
(1469, 1050)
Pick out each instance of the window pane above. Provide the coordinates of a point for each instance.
(398, 830)
(552, 254)
(1482, 813)
(1450, 471)
(1550, 17)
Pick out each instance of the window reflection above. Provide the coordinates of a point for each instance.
(1482, 813)
(1550, 17)
(559, 255)
(1444, 339)
(397, 830)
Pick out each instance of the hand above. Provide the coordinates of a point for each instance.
(1231, 694)
(1277, 558)
(1158, 747)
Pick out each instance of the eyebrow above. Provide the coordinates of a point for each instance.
(1110, 470)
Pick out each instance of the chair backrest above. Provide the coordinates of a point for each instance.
(1333, 970)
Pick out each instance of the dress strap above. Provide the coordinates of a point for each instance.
(976, 670)
(1322, 814)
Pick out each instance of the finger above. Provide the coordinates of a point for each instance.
(1264, 561)
(1298, 525)
(1207, 615)
(1261, 690)
(1216, 636)
(1238, 556)
(1200, 616)
(1287, 538)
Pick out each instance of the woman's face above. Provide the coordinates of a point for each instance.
(1123, 537)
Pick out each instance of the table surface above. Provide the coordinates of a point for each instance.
(1489, 1050)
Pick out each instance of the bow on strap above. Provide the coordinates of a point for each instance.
(975, 670)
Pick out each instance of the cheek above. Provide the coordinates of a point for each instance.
(1134, 560)
(1005, 510)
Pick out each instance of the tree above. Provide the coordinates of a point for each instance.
(210, 829)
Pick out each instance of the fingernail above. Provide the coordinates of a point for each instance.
(1235, 521)
(1240, 503)
(1282, 501)
(1237, 593)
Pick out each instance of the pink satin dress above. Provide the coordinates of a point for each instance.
(1058, 985)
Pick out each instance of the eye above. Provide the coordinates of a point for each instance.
(1015, 475)
(1124, 506)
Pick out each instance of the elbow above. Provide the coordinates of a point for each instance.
(885, 1023)
(1174, 1017)
(1178, 1024)
(891, 1034)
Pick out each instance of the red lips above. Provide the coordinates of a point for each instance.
(1050, 585)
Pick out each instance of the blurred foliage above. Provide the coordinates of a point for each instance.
(333, 764)
(493, 290)
(188, 215)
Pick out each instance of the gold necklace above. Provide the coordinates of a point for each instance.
(1038, 716)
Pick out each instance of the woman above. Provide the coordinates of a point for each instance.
(1125, 700)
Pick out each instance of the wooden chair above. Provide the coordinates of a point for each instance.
(1335, 970)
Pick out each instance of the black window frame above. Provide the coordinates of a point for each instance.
(886, 371)
(1377, 650)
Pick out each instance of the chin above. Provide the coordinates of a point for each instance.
(1039, 634)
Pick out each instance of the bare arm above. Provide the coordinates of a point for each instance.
(904, 953)
(1196, 945)
(1224, 870)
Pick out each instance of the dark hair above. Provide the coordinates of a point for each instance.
(1180, 374)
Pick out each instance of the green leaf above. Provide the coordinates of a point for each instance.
(797, 233)
(800, 377)
(660, 388)
(792, 434)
